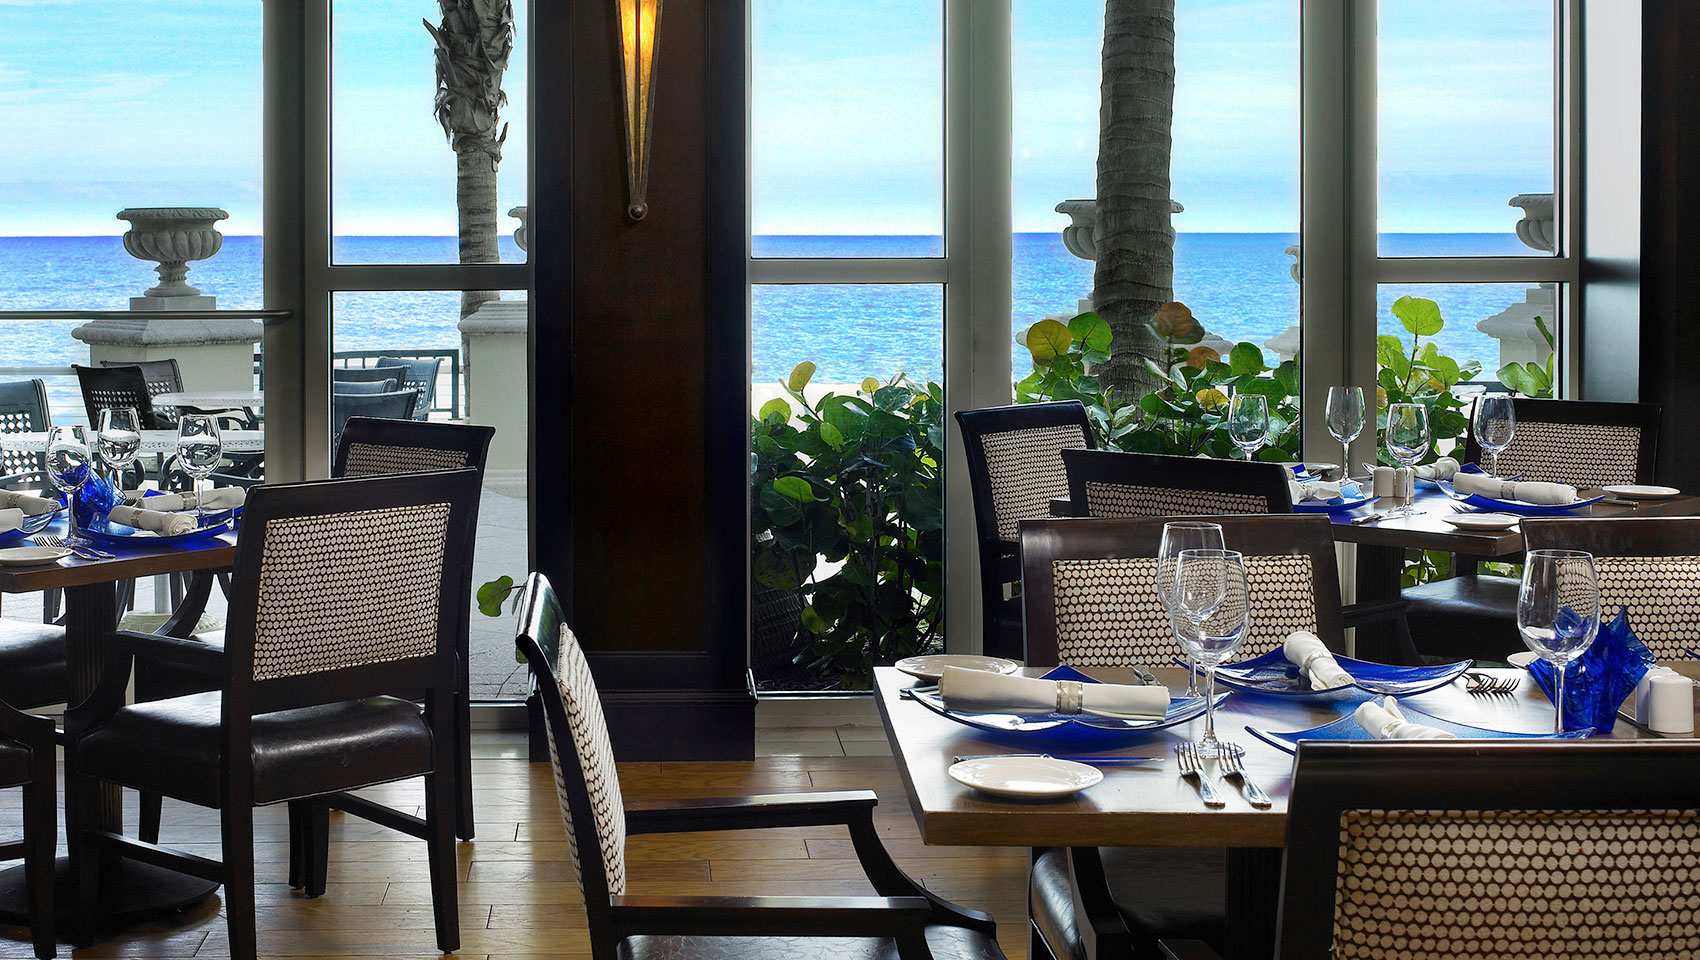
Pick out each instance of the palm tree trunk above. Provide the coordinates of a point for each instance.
(1136, 255)
(475, 196)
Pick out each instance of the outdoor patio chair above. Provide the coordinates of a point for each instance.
(393, 375)
(1453, 848)
(422, 377)
(1582, 443)
(904, 920)
(1109, 483)
(117, 387)
(1014, 471)
(389, 405)
(162, 376)
(24, 409)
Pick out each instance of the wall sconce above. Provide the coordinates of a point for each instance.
(638, 22)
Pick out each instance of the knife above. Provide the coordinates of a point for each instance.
(1356, 521)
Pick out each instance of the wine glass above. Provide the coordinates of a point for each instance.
(199, 448)
(1407, 441)
(67, 469)
(1345, 416)
(1496, 423)
(1558, 611)
(1248, 421)
(1181, 535)
(119, 441)
(1209, 613)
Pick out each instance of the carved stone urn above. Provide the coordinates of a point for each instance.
(1536, 227)
(172, 237)
(520, 240)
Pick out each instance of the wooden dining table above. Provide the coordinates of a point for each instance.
(1149, 805)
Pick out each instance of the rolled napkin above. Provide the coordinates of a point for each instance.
(1528, 491)
(32, 506)
(218, 498)
(978, 691)
(11, 519)
(1384, 721)
(1303, 490)
(167, 524)
(1443, 469)
(1315, 660)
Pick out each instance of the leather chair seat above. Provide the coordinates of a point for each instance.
(32, 664)
(1175, 893)
(1465, 618)
(172, 747)
(946, 943)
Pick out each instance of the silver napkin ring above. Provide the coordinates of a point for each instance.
(1071, 695)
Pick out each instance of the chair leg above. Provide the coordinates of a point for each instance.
(238, 836)
(85, 866)
(463, 763)
(439, 818)
(297, 851)
(147, 821)
(315, 846)
(41, 832)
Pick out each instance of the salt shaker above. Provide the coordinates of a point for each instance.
(1671, 703)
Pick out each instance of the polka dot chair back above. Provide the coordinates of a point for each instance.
(1648, 566)
(1582, 443)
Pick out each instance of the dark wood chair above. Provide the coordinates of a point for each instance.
(904, 919)
(1089, 597)
(106, 388)
(1489, 849)
(343, 609)
(27, 761)
(1109, 483)
(1014, 471)
(1582, 443)
(1649, 566)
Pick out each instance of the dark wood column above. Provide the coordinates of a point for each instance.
(640, 347)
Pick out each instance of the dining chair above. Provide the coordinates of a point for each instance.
(1402, 850)
(389, 405)
(27, 761)
(117, 387)
(343, 611)
(161, 376)
(421, 378)
(1583, 443)
(1089, 599)
(1110, 483)
(905, 919)
(1014, 471)
(393, 374)
(1649, 566)
(24, 409)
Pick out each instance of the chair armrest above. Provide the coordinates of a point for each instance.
(1358, 614)
(1187, 950)
(771, 916)
(27, 729)
(750, 813)
(156, 646)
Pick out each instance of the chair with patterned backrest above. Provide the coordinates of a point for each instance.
(162, 376)
(388, 405)
(116, 387)
(1108, 483)
(1014, 471)
(1489, 849)
(1649, 566)
(904, 920)
(343, 610)
(421, 377)
(23, 409)
(393, 374)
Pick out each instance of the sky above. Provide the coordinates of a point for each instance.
(112, 103)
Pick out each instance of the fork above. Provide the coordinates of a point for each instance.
(1192, 768)
(80, 549)
(1483, 684)
(1233, 767)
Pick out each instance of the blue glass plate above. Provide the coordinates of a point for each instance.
(32, 525)
(1181, 710)
(1348, 728)
(116, 534)
(1336, 505)
(1272, 674)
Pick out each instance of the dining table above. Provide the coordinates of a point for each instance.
(250, 402)
(1149, 804)
(154, 442)
(140, 890)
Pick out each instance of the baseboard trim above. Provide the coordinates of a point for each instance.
(651, 725)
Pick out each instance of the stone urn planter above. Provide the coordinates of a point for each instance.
(172, 237)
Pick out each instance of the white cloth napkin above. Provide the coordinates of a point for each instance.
(1315, 661)
(11, 519)
(1443, 469)
(218, 498)
(1528, 491)
(1384, 721)
(981, 692)
(1303, 490)
(168, 524)
(32, 506)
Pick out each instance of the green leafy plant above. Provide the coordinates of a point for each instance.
(493, 594)
(848, 511)
(1532, 379)
(1420, 375)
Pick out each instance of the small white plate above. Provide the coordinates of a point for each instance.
(1635, 491)
(32, 556)
(1522, 659)
(932, 667)
(1026, 777)
(1481, 521)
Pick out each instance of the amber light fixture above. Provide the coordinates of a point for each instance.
(638, 22)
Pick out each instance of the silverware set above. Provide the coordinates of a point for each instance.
(1192, 768)
(1482, 684)
(1233, 767)
(82, 550)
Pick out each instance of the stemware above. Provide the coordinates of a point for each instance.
(1407, 441)
(1345, 416)
(199, 448)
(1181, 535)
(1558, 611)
(119, 441)
(1496, 424)
(1248, 421)
(1209, 612)
(67, 468)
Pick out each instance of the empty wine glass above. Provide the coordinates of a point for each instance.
(1248, 421)
(119, 441)
(1209, 612)
(1345, 417)
(1558, 611)
(1407, 441)
(1496, 423)
(67, 469)
(199, 448)
(1181, 535)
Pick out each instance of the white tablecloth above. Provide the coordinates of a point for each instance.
(213, 399)
(153, 441)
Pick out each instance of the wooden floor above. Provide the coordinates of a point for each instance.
(517, 894)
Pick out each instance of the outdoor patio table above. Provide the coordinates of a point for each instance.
(1148, 805)
(250, 402)
(153, 441)
(91, 614)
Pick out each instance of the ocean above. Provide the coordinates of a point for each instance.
(1239, 285)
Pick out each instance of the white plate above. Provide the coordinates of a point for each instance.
(1522, 659)
(32, 556)
(1635, 491)
(1028, 777)
(1481, 521)
(932, 667)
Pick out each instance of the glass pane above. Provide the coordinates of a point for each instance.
(396, 196)
(847, 128)
(1486, 326)
(474, 382)
(1465, 128)
(846, 495)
